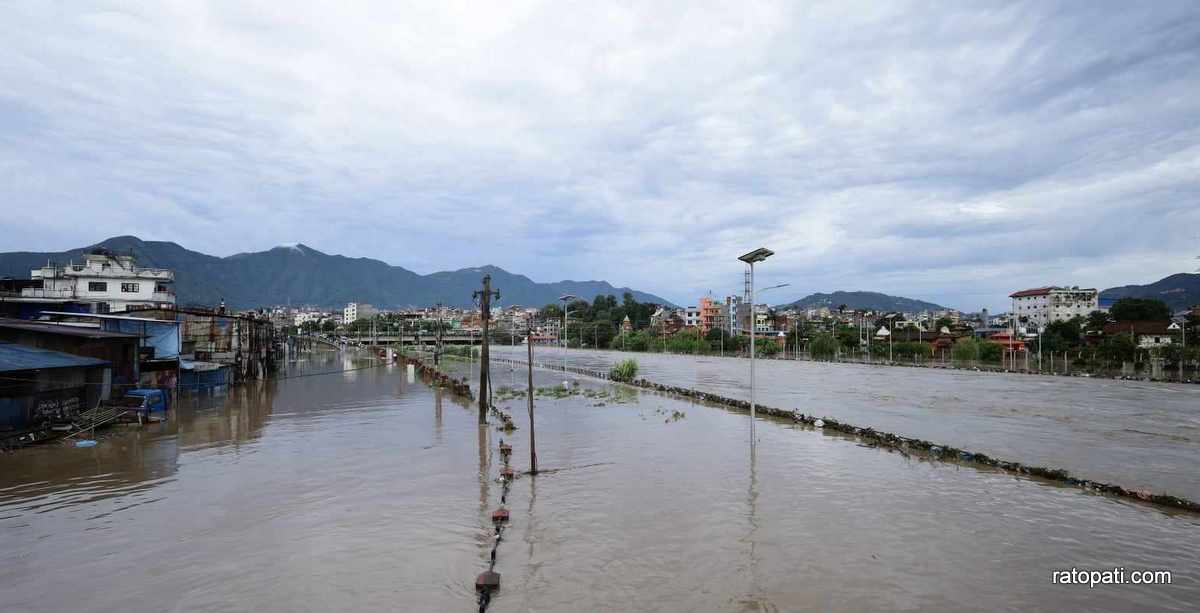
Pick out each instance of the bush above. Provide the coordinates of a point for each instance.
(686, 341)
(766, 346)
(624, 371)
(909, 349)
(976, 350)
(639, 340)
(823, 346)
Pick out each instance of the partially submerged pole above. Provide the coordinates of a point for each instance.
(532, 441)
(485, 303)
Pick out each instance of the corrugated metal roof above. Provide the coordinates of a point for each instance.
(66, 330)
(15, 357)
(1037, 291)
(99, 316)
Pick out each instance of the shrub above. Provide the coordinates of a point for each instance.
(823, 346)
(624, 371)
(908, 349)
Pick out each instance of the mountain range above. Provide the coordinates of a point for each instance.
(300, 275)
(873, 301)
(1179, 291)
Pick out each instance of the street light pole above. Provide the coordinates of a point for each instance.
(566, 298)
(1041, 332)
(758, 255)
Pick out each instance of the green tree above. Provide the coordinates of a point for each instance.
(823, 346)
(965, 350)
(968, 350)
(766, 346)
(910, 349)
(551, 311)
(1062, 335)
(1140, 309)
(1117, 348)
(1096, 320)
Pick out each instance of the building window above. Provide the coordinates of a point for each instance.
(102, 307)
(97, 286)
(129, 288)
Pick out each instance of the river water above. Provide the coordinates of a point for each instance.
(1136, 434)
(359, 490)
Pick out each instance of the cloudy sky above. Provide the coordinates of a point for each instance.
(940, 152)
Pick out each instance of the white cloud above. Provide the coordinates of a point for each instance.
(952, 156)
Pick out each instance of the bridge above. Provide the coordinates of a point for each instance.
(428, 340)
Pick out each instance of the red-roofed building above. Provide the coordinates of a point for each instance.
(1147, 334)
(1006, 340)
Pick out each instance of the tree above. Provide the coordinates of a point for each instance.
(965, 350)
(1117, 348)
(1062, 335)
(551, 311)
(942, 322)
(1140, 309)
(1096, 320)
(686, 341)
(766, 346)
(910, 349)
(973, 349)
(823, 346)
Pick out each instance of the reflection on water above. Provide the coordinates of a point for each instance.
(361, 491)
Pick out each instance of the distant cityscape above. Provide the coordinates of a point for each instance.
(1145, 338)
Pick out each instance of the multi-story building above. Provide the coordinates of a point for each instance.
(550, 327)
(303, 317)
(1040, 306)
(106, 281)
(712, 315)
(355, 311)
(691, 317)
(762, 318)
(731, 312)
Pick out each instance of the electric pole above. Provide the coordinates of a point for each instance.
(484, 297)
(437, 348)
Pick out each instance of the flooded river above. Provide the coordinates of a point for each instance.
(1136, 434)
(360, 491)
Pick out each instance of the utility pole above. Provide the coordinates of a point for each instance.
(437, 348)
(485, 303)
(532, 441)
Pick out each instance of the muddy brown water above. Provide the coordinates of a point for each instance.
(1136, 434)
(361, 491)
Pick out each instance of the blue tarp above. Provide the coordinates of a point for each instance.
(161, 334)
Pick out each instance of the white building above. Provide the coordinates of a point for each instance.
(304, 317)
(762, 318)
(691, 316)
(355, 311)
(1044, 305)
(107, 281)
